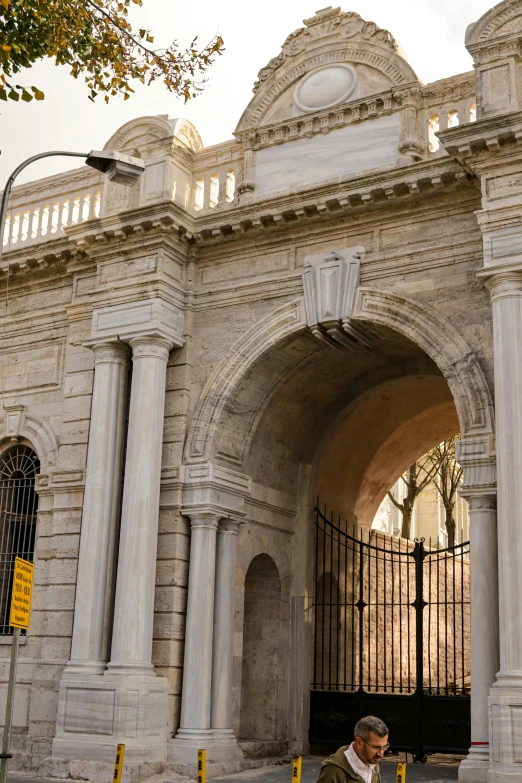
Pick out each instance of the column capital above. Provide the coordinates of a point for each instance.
(150, 347)
(229, 526)
(109, 352)
(200, 520)
(503, 283)
(479, 500)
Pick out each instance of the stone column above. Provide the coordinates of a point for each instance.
(506, 694)
(134, 605)
(223, 645)
(197, 666)
(210, 494)
(96, 564)
(484, 629)
(506, 297)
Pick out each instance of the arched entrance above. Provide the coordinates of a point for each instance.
(300, 416)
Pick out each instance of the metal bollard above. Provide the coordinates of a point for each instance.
(296, 769)
(401, 773)
(118, 764)
(202, 766)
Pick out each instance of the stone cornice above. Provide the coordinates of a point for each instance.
(378, 189)
(165, 217)
(324, 121)
(476, 140)
(454, 88)
(167, 221)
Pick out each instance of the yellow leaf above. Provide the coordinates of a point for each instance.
(6, 48)
(5, 4)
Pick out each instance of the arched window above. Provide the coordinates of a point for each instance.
(214, 190)
(453, 118)
(230, 186)
(433, 128)
(199, 194)
(19, 467)
(473, 112)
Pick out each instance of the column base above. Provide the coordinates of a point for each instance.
(220, 745)
(474, 768)
(505, 729)
(84, 668)
(97, 713)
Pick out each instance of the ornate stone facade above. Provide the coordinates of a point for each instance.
(305, 309)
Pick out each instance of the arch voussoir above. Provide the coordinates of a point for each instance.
(431, 330)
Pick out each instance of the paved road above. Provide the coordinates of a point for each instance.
(416, 773)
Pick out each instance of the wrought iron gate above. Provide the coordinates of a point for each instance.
(391, 638)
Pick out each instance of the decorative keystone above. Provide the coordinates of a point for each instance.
(330, 282)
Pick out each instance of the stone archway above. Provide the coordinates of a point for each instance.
(241, 375)
(283, 405)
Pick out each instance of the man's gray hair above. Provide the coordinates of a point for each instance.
(366, 725)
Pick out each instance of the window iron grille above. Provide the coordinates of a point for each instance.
(19, 467)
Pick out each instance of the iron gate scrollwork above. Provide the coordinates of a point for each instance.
(391, 638)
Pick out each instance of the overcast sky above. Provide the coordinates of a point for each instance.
(431, 32)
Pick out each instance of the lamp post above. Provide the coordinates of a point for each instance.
(122, 169)
(119, 168)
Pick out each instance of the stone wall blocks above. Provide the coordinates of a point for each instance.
(172, 573)
(55, 598)
(21, 706)
(170, 599)
(43, 705)
(62, 571)
(169, 626)
(56, 648)
(167, 653)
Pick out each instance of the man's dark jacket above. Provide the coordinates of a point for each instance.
(336, 769)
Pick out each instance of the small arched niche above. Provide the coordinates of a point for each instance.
(261, 670)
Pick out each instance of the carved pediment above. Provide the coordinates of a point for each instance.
(327, 23)
(322, 54)
(143, 131)
(502, 20)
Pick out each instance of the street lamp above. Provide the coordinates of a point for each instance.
(119, 168)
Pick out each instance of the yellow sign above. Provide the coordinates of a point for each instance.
(202, 766)
(20, 614)
(401, 773)
(296, 769)
(118, 764)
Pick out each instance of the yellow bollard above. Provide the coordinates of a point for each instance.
(296, 769)
(118, 764)
(202, 766)
(401, 773)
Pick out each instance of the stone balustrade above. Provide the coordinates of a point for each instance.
(38, 213)
(215, 178)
